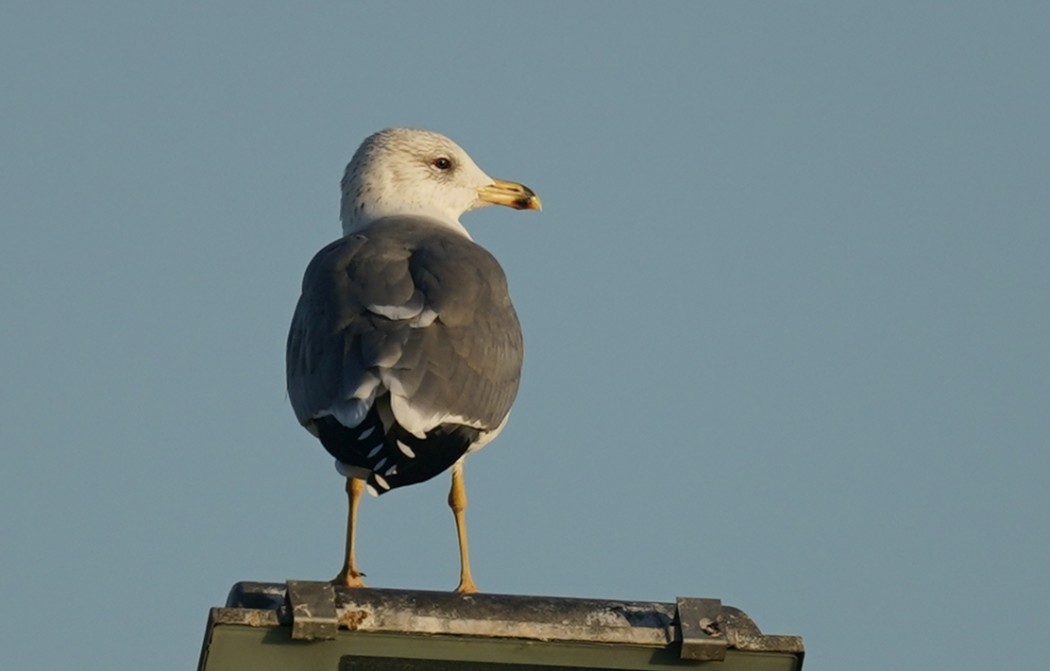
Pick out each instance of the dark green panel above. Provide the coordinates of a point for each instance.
(233, 648)
(354, 663)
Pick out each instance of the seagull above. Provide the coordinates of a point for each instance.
(404, 353)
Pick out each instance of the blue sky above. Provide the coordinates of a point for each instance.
(786, 313)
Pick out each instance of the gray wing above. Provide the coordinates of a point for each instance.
(408, 313)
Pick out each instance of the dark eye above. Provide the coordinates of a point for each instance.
(441, 163)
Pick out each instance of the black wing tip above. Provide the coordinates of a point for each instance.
(395, 457)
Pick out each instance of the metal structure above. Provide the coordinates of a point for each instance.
(313, 625)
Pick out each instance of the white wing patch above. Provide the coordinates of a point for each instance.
(419, 422)
(406, 450)
(411, 309)
(365, 390)
(486, 437)
(415, 311)
(350, 412)
(425, 318)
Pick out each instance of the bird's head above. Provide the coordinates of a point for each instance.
(406, 171)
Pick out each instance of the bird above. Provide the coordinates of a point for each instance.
(405, 353)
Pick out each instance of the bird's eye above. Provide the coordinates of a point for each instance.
(441, 163)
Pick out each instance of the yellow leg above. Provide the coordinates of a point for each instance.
(457, 500)
(350, 576)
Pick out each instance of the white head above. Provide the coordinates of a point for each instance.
(401, 171)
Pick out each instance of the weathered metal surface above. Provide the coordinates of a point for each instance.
(250, 617)
(743, 634)
(313, 610)
(694, 629)
(498, 615)
(699, 625)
